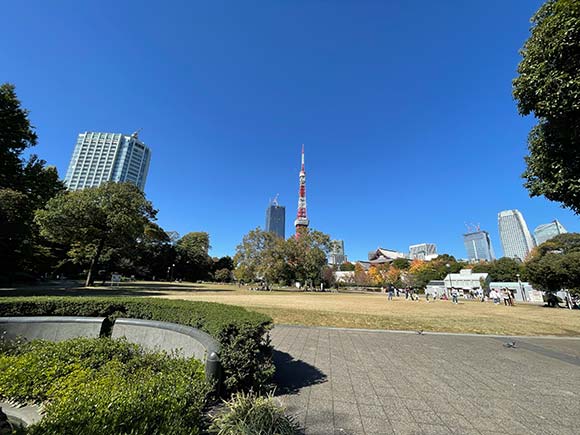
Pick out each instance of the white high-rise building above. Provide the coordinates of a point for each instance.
(546, 232)
(516, 240)
(102, 157)
(423, 251)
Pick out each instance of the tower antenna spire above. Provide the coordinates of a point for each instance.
(301, 222)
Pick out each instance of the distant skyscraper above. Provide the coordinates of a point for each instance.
(478, 246)
(336, 256)
(548, 231)
(516, 240)
(276, 218)
(422, 251)
(102, 157)
(301, 222)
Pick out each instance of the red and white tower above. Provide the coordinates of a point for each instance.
(301, 222)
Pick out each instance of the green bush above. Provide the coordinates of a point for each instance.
(249, 414)
(95, 386)
(246, 352)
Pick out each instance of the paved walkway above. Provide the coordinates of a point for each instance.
(376, 382)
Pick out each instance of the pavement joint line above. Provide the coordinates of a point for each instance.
(460, 334)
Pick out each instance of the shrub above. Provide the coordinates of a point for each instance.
(249, 414)
(246, 352)
(95, 386)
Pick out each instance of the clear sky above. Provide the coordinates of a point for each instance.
(404, 107)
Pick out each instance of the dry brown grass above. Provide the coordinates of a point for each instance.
(350, 310)
(374, 311)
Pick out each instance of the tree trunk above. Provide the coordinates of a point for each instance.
(94, 263)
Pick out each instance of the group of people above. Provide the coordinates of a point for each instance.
(494, 295)
(503, 294)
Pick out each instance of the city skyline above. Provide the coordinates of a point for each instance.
(227, 99)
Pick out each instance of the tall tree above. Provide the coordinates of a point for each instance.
(24, 187)
(113, 215)
(548, 86)
(555, 264)
(194, 261)
(261, 255)
(16, 134)
(250, 254)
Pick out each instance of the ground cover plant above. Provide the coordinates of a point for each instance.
(95, 386)
(249, 414)
(246, 352)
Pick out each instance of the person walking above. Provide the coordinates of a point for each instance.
(390, 293)
(454, 295)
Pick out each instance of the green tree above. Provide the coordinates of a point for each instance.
(548, 85)
(193, 260)
(113, 215)
(223, 275)
(251, 253)
(263, 256)
(24, 187)
(148, 258)
(502, 270)
(16, 134)
(555, 264)
(346, 267)
(226, 262)
(401, 263)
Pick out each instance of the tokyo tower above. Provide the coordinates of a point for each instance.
(301, 222)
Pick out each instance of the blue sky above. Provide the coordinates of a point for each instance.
(404, 107)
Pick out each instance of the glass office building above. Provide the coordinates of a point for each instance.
(478, 246)
(276, 219)
(102, 157)
(516, 240)
(336, 255)
(546, 232)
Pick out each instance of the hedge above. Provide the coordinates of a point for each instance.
(99, 385)
(246, 351)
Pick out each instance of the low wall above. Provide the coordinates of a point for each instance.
(187, 341)
(152, 335)
(50, 328)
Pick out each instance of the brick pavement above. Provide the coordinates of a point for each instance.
(338, 381)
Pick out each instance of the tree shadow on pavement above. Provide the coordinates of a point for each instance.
(293, 374)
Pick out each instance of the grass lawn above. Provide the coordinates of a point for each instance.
(350, 310)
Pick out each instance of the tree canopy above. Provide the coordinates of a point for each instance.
(263, 256)
(548, 85)
(113, 215)
(555, 264)
(192, 256)
(16, 134)
(502, 270)
(25, 185)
